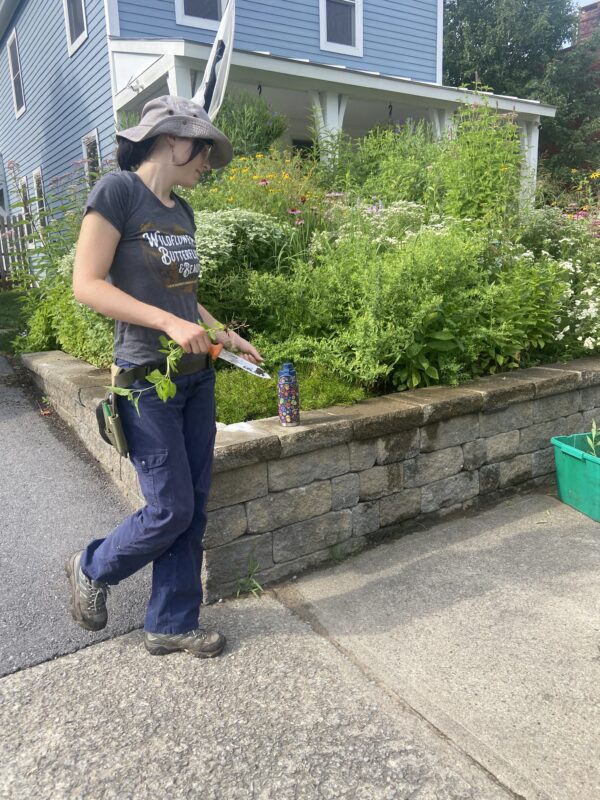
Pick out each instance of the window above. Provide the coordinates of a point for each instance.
(38, 196)
(25, 208)
(3, 201)
(342, 26)
(91, 155)
(75, 23)
(15, 74)
(199, 13)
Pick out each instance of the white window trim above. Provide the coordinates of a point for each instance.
(182, 18)
(5, 209)
(36, 201)
(344, 49)
(18, 111)
(72, 47)
(93, 134)
(23, 182)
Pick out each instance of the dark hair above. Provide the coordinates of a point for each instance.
(131, 154)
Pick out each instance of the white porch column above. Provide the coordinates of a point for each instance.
(440, 119)
(330, 109)
(530, 137)
(179, 79)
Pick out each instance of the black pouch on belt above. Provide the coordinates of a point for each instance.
(109, 424)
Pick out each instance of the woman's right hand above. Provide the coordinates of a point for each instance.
(189, 335)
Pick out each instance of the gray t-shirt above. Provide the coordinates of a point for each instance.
(155, 261)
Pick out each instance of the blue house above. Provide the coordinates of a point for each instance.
(69, 66)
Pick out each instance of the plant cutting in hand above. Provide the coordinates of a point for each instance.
(161, 381)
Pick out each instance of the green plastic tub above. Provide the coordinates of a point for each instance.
(577, 474)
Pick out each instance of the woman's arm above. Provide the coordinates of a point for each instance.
(96, 246)
(230, 339)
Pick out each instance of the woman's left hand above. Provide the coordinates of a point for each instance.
(233, 341)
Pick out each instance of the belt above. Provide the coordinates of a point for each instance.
(192, 363)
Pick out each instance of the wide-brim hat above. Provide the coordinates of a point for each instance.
(180, 117)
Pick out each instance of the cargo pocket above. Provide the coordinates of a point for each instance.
(154, 477)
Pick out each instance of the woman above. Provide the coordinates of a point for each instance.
(136, 262)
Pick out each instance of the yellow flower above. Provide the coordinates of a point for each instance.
(242, 158)
(259, 155)
(573, 171)
(213, 190)
(232, 177)
(230, 199)
(256, 177)
(595, 175)
(245, 170)
(285, 176)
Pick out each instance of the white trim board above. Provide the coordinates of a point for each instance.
(302, 74)
(72, 47)
(440, 43)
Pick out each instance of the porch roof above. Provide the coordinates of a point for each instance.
(279, 71)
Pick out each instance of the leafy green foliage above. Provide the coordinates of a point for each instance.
(249, 122)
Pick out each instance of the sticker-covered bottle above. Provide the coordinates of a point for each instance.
(288, 396)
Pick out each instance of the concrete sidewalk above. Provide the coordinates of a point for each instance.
(461, 661)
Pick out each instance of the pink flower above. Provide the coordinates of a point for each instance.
(294, 211)
(264, 182)
(299, 222)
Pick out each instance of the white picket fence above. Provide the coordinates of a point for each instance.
(14, 253)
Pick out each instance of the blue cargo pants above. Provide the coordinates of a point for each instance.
(171, 446)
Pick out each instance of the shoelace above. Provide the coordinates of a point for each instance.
(94, 596)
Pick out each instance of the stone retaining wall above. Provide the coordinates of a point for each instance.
(297, 497)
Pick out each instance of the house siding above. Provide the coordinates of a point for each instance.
(400, 36)
(66, 97)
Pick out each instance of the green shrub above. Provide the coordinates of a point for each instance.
(230, 244)
(250, 123)
(59, 322)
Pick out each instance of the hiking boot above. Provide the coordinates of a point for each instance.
(88, 598)
(200, 643)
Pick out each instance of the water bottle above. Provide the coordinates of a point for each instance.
(288, 396)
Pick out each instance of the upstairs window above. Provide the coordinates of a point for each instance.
(342, 26)
(91, 155)
(15, 74)
(200, 13)
(3, 201)
(75, 23)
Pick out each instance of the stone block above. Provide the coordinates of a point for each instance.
(378, 481)
(502, 446)
(537, 437)
(574, 424)
(345, 491)
(398, 446)
(380, 416)
(365, 518)
(399, 506)
(589, 416)
(553, 407)
(240, 445)
(516, 416)
(549, 381)
(474, 454)
(440, 435)
(431, 467)
(363, 454)
(450, 491)
(500, 391)
(300, 470)
(287, 507)
(543, 462)
(590, 397)
(588, 369)
(224, 525)
(238, 485)
(311, 535)
(317, 431)
(232, 561)
(445, 402)
(505, 473)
